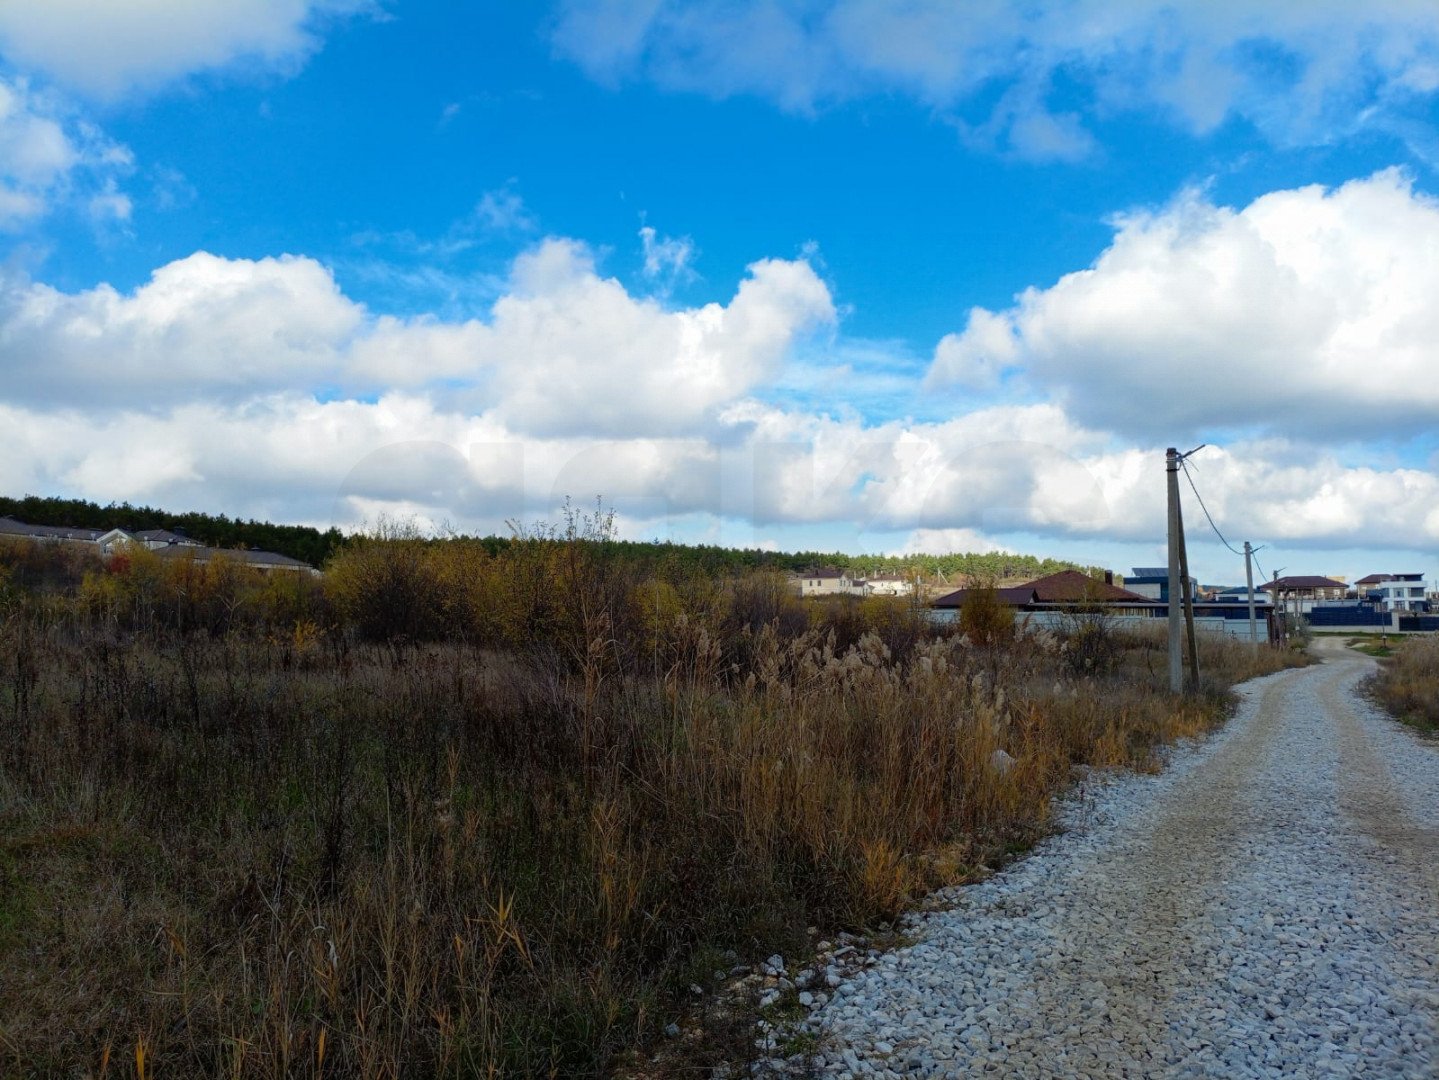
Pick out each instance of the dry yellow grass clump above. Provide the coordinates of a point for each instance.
(1408, 683)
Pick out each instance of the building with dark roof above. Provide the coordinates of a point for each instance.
(1050, 601)
(1068, 590)
(1298, 593)
(163, 542)
(25, 531)
(1394, 592)
(158, 538)
(266, 561)
(1153, 582)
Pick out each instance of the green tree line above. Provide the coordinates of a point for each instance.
(315, 547)
(716, 560)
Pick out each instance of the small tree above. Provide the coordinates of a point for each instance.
(385, 585)
(1091, 635)
(1300, 632)
(983, 617)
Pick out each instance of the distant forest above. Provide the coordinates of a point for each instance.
(315, 547)
(720, 560)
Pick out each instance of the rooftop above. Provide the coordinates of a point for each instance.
(176, 545)
(10, 527)
(1065, 587)
(252, 558)
(1302, 581)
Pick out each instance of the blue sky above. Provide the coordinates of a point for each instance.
(857, 275)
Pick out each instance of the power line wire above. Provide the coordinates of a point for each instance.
(1185, 465)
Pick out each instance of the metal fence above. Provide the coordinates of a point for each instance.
(1347, 616)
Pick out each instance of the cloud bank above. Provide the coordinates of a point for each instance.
(260, 387)
(1300, 73)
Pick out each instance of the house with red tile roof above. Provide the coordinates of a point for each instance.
(1068, 590)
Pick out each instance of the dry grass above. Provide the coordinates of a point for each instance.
(283, 852)
(1407, 685)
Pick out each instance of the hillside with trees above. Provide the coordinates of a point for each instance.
(315, 547)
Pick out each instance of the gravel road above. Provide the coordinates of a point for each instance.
(1264, 907)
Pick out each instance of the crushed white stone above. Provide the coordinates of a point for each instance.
(1265, 907)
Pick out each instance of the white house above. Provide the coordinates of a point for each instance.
(829, 582)
(890, 585)
(154, 539)
(114, 540)
(1395, 592)
(1240, 594)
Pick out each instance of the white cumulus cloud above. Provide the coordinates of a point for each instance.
(48, 157)
(1307, 313)
(563, 350)
(932, 541)
(106, 48)
(667, 258)
(202, 326)
(575, 350)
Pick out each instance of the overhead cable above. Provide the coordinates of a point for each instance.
(1213, 526)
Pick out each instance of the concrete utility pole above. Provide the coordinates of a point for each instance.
(1176, 657)
(1186, 584)
(1283, 612)
(1249, 585)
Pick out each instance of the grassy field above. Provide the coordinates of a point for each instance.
(1407, 683)
(457, 814)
